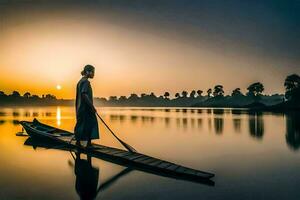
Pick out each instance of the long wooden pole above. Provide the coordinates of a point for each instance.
(127, 146)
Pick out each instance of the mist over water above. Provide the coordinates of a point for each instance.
(254, 155)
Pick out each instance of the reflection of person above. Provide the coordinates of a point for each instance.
(86, 178)
(86, 127)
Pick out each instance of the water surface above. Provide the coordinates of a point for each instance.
(254, 155)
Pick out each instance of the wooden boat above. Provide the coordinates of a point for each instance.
(48, 134)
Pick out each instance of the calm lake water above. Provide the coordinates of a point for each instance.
(254, 155)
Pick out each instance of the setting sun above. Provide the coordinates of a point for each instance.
(58, 87)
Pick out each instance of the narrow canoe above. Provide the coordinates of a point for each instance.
(49, 134)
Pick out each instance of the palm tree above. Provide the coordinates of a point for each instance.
(255, 89)
(133, 97)
(184, 94)
(218, 91)
(2, 94)
(199, 93)
(27, 95)
(15, 94)
(236, 92)
(209, 92)
(152, 94)
(50, 96)
(113, 98)
(192, 94)
(292, 87)
(35, 96)
(122, 98)
(167, 95)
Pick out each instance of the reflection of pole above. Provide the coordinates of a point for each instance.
(113, 179)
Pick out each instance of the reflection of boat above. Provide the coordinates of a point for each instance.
(63, 140)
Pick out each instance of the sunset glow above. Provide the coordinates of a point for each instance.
(43, 46)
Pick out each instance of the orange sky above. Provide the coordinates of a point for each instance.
(40, 49)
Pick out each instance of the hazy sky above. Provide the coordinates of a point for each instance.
(143, 46)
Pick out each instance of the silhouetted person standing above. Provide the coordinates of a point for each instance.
(86, 127)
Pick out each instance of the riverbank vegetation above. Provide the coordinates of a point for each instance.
(212, 97)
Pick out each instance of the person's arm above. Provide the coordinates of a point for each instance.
(89, 102)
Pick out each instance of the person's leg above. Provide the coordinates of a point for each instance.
(78, 142)
(77, 155)
(89, 143)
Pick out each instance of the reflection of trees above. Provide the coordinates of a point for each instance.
(27, 114)
(178, 122)
(256, 125)
(48, 114)
(184, 122)
(133, 118)
(167, 121)
(15, 122)
(218, 124)
(218, 120)
(236, 112)
(113, 117)
(146, 119)
(293, 130)
(35, 114)
(199, 122)
(209, 124)
(120, 118)
(237, 125)
(192, 122)
(16, 114)
(237, 121)
(152, 119)
(218, 111)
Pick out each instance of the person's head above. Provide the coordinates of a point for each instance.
(88, 71)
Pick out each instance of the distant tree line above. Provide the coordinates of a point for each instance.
(213, 97)
(15, 98)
